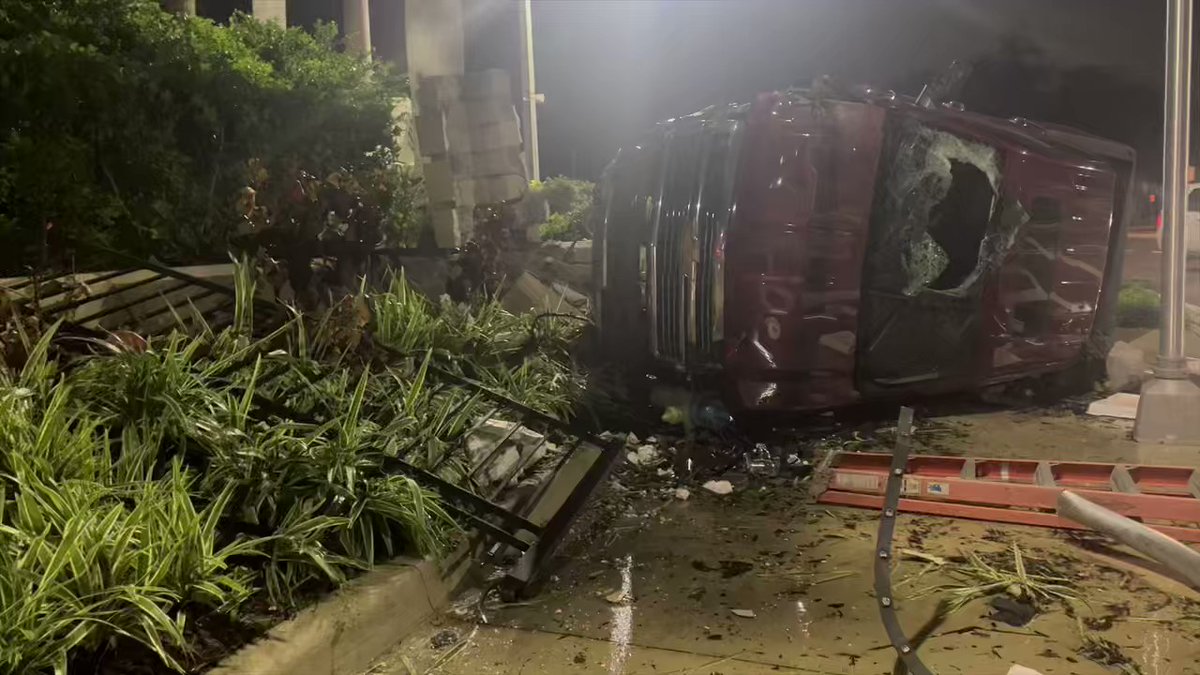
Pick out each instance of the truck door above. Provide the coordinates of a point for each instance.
(939, 230)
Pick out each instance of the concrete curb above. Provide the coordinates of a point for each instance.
(345, 633)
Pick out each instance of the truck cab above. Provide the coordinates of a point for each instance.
(805, 252)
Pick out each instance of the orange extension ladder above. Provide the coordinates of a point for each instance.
(1024, 492)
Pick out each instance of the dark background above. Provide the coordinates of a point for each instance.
(610, 68)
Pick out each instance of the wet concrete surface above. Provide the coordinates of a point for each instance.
(652, 587)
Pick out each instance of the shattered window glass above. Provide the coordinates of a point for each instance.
(937, 229)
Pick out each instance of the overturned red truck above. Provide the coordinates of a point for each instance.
(810, 251)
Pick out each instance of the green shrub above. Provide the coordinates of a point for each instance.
(1138, 306)
(127, 126)
(569, 203)
(524, 356)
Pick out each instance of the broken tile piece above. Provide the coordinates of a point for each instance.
(719, 487)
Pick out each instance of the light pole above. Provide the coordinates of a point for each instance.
(1169, 409)
(532, 98)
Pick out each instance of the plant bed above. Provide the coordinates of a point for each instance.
(163, 496)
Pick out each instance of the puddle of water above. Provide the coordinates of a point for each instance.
(622, 620)
(803, 621)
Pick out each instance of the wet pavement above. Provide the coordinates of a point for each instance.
(1143, 263)
(765, 581)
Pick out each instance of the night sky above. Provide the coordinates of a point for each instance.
(610, 68)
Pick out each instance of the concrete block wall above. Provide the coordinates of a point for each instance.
(270, 10)
(470, 140)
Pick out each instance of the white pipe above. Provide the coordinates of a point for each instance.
(1175, 556)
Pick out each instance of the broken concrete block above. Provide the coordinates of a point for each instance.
(465, 213)
(1126, 366)
(487, 84)
(530, 294)
(499, 162)
(499, 189)
(447, 230)
(440, 182)
(431, 132)
(490, 111)
(499, 134)
(459, 133)
(438, 90)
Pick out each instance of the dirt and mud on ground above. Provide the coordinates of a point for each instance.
(763, 580)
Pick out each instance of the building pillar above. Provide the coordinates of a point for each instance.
(434, 38)
(184, 7)
(435, 48)
(274, 11)
(356, 20)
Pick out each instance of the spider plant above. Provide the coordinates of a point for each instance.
(976, 578)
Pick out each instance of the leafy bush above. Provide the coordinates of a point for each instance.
(524, 356)
(134, 128)
(1138, 306)
(569, 203)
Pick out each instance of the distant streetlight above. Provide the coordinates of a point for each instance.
(1169, 409)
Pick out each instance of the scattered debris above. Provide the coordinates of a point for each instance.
(1012, 611)
(1126, 367)
(727, 568)
(645, 455)
(1119, 405)
(760, 461)
(618, 597)
(682, 494)
(719, 487)
(744, 613)
(443, 639)
(1106, 653)
(935, 560)
(454, 651)
(833, 577)
(976, 578)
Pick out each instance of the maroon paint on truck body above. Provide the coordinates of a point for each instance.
(792, 266)
(794, 252)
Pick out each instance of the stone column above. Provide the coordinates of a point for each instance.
(434, 44)
(184, 7)
(270, 10)
(356, 20)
